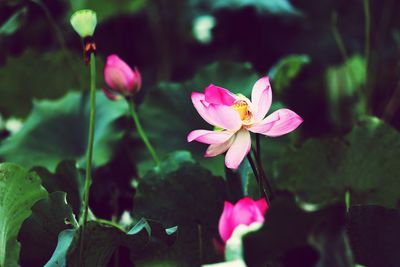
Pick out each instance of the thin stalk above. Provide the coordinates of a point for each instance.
(347, 200)
(257, 176)
(141, 132)
(258, 147)
(263, 176)
(253, 167)
(60, 38)
(393, 104)
(338, 37)
(200, 237)
(367, 15)
(91, 134)
(255, 172)
(88, 173)
(339, 42)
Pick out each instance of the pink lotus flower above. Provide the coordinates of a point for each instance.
(237, 116)
(245, 212)
(120, 78)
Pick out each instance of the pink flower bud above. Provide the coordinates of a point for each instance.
(245, 212)
(121, 78)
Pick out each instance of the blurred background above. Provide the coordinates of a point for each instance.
(172, 40)
(333, 62)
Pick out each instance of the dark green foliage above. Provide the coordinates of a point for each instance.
(306, 239)
(287, 69)
(183, 193)
(20, 83)
(362, 162)
(13, 23)
(55, 131)
(67, 178)
(19, 190)
(374, 233)
(103, 238)
(321, 65)
(39, 233)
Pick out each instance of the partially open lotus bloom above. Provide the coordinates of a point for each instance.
(245, 212)
(120, 78)
(236, 116)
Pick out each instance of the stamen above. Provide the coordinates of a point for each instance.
(242, 108)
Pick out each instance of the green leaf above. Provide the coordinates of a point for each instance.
(19, 190)
(39, 233)
(190, 197)
(287, 68)
(20, 83)
(155, 230)
(67, 178)
(101, 240)
(105, 9)
(14, 22)
(238, 78)
(345, 79)
(374, 233)
(64, 241)
(363, 162)
(173, 161)
(276, 7)
(344, 83)
(57, 130)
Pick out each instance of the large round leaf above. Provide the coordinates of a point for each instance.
(101, 239)
(181, 192)
(32, 75)
(39, 233)
(105, 9)
(67, 178)
(363, 162)
(57, 130)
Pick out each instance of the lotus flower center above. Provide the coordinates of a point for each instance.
(242, 108)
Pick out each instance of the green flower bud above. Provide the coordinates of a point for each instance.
(84, 22)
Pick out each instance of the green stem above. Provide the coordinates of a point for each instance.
(141, 132)
(347, 200)
(89, 150)
(258, 178)
(367, 37)
(263, 176)
(338, 37)
(254, 169)
(91, 134)
(339, 42)
(200, 237)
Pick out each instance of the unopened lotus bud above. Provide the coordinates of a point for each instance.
(120, 78)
